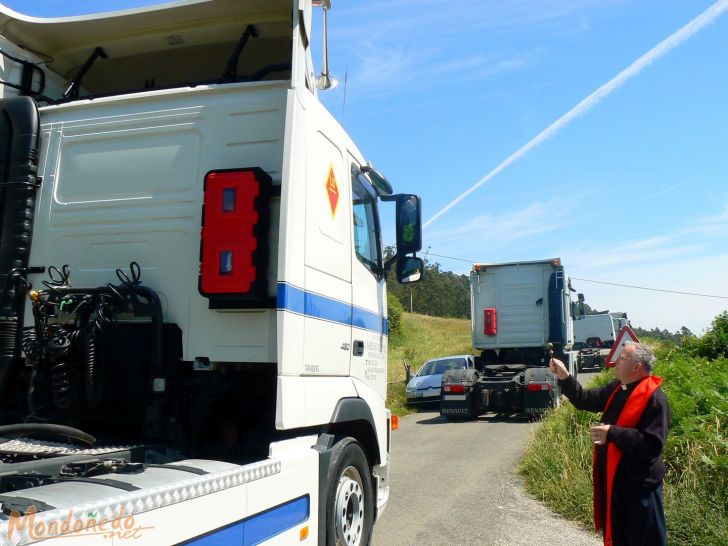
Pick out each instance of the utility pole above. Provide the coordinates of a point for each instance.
(425, 258)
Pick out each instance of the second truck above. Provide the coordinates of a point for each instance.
(521, 315)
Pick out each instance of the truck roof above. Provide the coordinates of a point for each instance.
(137, 33)
(481, 266)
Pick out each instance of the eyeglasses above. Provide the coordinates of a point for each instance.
(622, 357)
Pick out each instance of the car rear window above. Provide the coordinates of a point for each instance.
(441, 366)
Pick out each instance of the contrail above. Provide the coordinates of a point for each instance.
(672, 41)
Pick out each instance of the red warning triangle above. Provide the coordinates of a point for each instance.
(625, 335)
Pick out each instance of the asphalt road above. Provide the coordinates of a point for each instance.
(455, 483)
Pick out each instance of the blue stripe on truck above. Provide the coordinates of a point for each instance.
(294, 299)
(258, 528)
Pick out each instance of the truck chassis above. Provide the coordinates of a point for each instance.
(505, 388)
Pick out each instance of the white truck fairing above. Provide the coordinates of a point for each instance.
(195, 276)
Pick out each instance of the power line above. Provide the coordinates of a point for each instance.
(653, 289)
(609, 283)
(450, 257)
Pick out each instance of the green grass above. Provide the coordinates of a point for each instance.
(557, 465)
(421, 338)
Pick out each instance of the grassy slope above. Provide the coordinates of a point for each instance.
(421, 339)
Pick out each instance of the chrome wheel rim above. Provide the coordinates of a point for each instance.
(349, 508)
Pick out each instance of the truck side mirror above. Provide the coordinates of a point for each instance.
(409, 224)
(409, 269)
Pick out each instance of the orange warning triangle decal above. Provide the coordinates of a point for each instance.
(625, 334)
(332, 188)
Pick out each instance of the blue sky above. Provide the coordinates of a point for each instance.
(634, 191)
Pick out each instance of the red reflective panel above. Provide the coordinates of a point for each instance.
(539, 387)
(489, 322)
(455, 388)
(228, 237)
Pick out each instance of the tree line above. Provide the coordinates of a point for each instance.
(446, 294)
(676, 337)
(439, 294)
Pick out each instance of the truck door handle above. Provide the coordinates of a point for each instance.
(358, 347)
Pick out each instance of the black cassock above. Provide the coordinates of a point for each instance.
(637, 513)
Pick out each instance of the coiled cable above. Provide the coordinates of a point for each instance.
(93, 374)
(58, 349)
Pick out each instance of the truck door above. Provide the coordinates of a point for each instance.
(326, 300)
(369, 329)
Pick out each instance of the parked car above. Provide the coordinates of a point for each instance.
(425, 384)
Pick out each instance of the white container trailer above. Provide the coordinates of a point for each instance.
(193, 325)
(520, 304)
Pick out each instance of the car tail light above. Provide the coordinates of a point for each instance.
(454, 388)
(233, 238)
(538, 387)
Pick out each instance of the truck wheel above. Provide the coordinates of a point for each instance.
(349, 497)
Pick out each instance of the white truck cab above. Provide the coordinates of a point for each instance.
(193, 325)
(595, 330)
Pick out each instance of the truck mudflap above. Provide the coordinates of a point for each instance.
(458, 394)
(540, 391)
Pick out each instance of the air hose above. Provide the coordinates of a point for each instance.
(19, 138)
(25, 429)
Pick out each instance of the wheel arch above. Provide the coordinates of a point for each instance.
(353, 417)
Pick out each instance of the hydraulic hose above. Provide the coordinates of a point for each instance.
(25, 429)
(19, 139)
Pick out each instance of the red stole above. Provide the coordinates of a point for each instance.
(630, 416)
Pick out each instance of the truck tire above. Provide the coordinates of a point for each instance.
(349, 497)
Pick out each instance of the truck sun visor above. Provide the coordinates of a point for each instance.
(233, 246)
